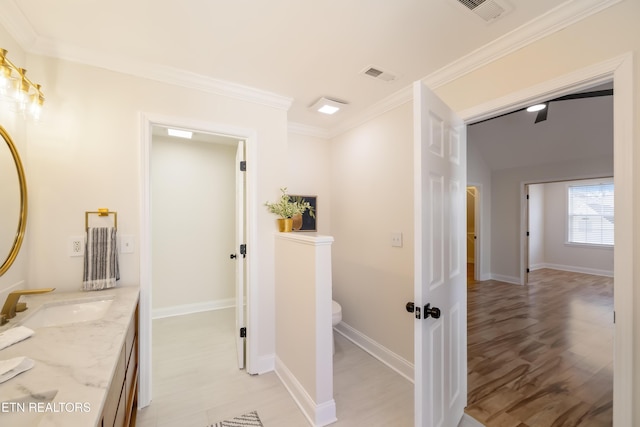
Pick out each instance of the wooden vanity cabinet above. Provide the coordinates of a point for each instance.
(122, 397)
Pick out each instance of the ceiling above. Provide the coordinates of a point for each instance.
(295, 50)
(577, 129)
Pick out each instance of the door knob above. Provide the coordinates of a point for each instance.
(431, 311)
(233, 256)
(428, 310)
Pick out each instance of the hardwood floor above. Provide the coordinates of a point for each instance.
(541, 355)
(196, 381)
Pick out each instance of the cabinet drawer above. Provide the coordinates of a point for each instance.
(110, 412)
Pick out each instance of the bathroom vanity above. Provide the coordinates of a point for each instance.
(85, 350)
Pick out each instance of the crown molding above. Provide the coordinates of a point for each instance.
(163, 74)
(16, 24)
(387, 104)
(14, 21)
(561, 17)
(302, 129)
(564, 15)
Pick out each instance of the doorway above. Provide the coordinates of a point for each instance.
(550, 238)
(473, 244)
(620, 70)
(231, 137)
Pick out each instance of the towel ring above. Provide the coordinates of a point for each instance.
(100, 212)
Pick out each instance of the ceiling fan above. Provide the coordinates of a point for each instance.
(543, 107)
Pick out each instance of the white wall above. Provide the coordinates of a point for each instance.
(558, 254)
(537, 222)
(86, 153)
(193, 222)
(309, 160)
(371, 197)
(506, 202)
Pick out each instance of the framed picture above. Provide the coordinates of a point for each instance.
(308, 222)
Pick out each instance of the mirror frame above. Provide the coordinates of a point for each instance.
(22, 224)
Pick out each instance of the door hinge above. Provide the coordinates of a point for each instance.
(527, 197)
(527, 234)
(243, 166)
(528, 271)
(243, 250)
(243, 332)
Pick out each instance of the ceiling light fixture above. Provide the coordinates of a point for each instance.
(15, 85)
(536, 107)
(327, 105)
(179, 133)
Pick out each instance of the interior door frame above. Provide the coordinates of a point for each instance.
(620, 70)
(147, 121)
(477, 214)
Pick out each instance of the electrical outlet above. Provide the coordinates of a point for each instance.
(396, 239)
(76, 246)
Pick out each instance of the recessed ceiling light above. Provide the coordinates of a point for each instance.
(327, 105)
(536, 107)
(180, 133)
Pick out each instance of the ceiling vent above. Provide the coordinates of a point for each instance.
(378, 74)
(488, 10)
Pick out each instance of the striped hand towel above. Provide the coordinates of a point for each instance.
(100, 259)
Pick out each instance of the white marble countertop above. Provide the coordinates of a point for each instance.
(78, 360)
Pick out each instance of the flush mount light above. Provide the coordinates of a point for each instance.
(179, 133)
(327, 105)
(536, 107)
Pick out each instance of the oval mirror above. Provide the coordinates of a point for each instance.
(13, 202)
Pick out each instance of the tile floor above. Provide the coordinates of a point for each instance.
(196, 381)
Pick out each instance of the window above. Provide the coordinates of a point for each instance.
(591, 214)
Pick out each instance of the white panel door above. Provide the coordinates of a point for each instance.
(240, 258)
(440, 261)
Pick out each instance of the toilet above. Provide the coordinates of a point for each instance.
(336, 311)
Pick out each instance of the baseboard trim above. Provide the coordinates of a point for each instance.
(469, 421)
(318, 415)
(179, 310)
(507, 279)
(574, 269)
(265, 364)
(380, 352)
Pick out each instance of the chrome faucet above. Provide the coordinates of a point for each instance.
(11, 305)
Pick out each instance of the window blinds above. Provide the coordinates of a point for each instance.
(591, 214)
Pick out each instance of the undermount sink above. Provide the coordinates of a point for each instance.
(68, 312)
(26, 411)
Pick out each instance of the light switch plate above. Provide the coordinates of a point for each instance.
(126, 244)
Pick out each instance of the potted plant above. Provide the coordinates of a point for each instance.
(287, 207)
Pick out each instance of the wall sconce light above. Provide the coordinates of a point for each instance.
(15, 85)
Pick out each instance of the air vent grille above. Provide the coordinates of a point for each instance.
(472, 4)
(485, 9)
(373, 72)
(379, 74)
